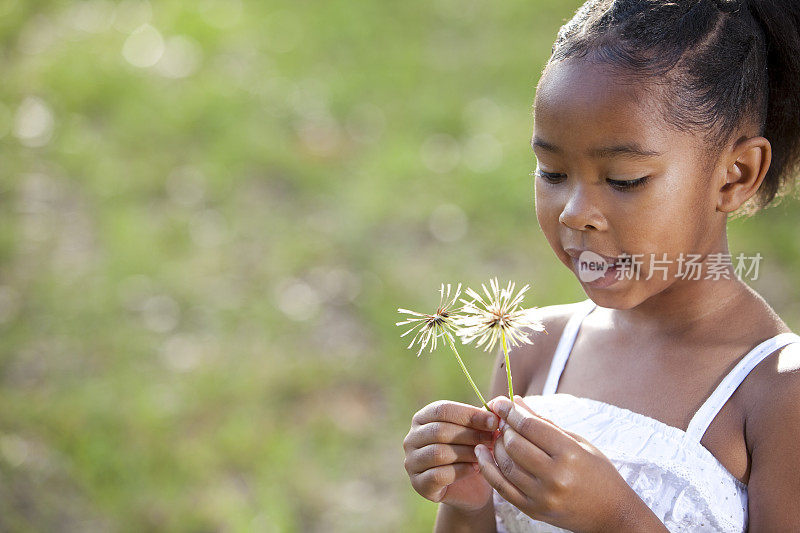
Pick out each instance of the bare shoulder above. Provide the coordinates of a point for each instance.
(776, 386)
(773, 439)
(529, 361)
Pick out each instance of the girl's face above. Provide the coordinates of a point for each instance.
(613, 178)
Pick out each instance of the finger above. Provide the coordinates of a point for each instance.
(433, 482)
(525, 480)
(527, 457)
(519, 400)
(456, 413)
(494, 402)
(441, 454)
(501, 405)
(447, 433)
(491, 473)
(542, 433)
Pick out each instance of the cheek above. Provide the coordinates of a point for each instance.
(676, 220)
(655, 231)
(547, 206)
(671, 228)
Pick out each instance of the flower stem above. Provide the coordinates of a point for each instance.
(508, 366)
(464, 368)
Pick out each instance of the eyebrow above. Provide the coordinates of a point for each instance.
(631, 150)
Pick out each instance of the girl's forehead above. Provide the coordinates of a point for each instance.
(580, 102)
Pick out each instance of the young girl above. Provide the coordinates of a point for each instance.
(668, 400)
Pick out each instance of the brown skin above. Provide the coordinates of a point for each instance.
(681, 208)
(673, 339)
(654, 328)
(442, 466)
(440, 453)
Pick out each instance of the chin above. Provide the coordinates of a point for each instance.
(612, 298)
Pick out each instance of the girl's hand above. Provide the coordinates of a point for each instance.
(551, 474)
(440, 453)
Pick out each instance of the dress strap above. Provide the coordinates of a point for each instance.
(703, 417)
(565, 345)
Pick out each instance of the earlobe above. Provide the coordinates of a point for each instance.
(750, 159)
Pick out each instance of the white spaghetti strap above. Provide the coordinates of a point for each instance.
(703, 417)
(565, 346)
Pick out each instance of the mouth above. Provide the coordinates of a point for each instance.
(600, 272)
(611, 260)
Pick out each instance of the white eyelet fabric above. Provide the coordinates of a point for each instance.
(678, 478)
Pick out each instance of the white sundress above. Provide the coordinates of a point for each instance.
(676, 476)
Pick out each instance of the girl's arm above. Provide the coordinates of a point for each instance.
(451, 520)
(774, 484)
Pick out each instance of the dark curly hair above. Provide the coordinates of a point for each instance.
(720, 65)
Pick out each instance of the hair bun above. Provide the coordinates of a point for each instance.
(728, 6)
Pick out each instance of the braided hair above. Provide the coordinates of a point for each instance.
(720, 66)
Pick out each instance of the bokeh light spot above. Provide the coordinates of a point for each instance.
(208, 228)
(181, 353)
(144, 47)
(182, 57)
(33, 123)
(91, 16)
(298, 300)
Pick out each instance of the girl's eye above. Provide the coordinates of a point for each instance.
(549, 177)
(622, 185)
(627, 185)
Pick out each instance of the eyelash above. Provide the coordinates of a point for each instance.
(622, 185)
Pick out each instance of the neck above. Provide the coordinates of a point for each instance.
(684, 307)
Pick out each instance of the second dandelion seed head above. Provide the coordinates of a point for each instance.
(499, 314)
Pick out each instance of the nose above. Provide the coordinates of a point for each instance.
(581, 212)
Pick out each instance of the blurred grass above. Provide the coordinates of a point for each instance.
(209, 213)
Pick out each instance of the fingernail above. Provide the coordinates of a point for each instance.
(503, 407)
(502, 425)
(490, 421)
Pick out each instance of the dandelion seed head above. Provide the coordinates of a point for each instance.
(430, 327)
(485, 320)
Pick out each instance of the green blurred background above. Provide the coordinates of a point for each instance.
(210, 212)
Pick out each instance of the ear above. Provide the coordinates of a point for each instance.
(747, 164)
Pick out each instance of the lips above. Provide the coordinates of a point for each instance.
(610, 259)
